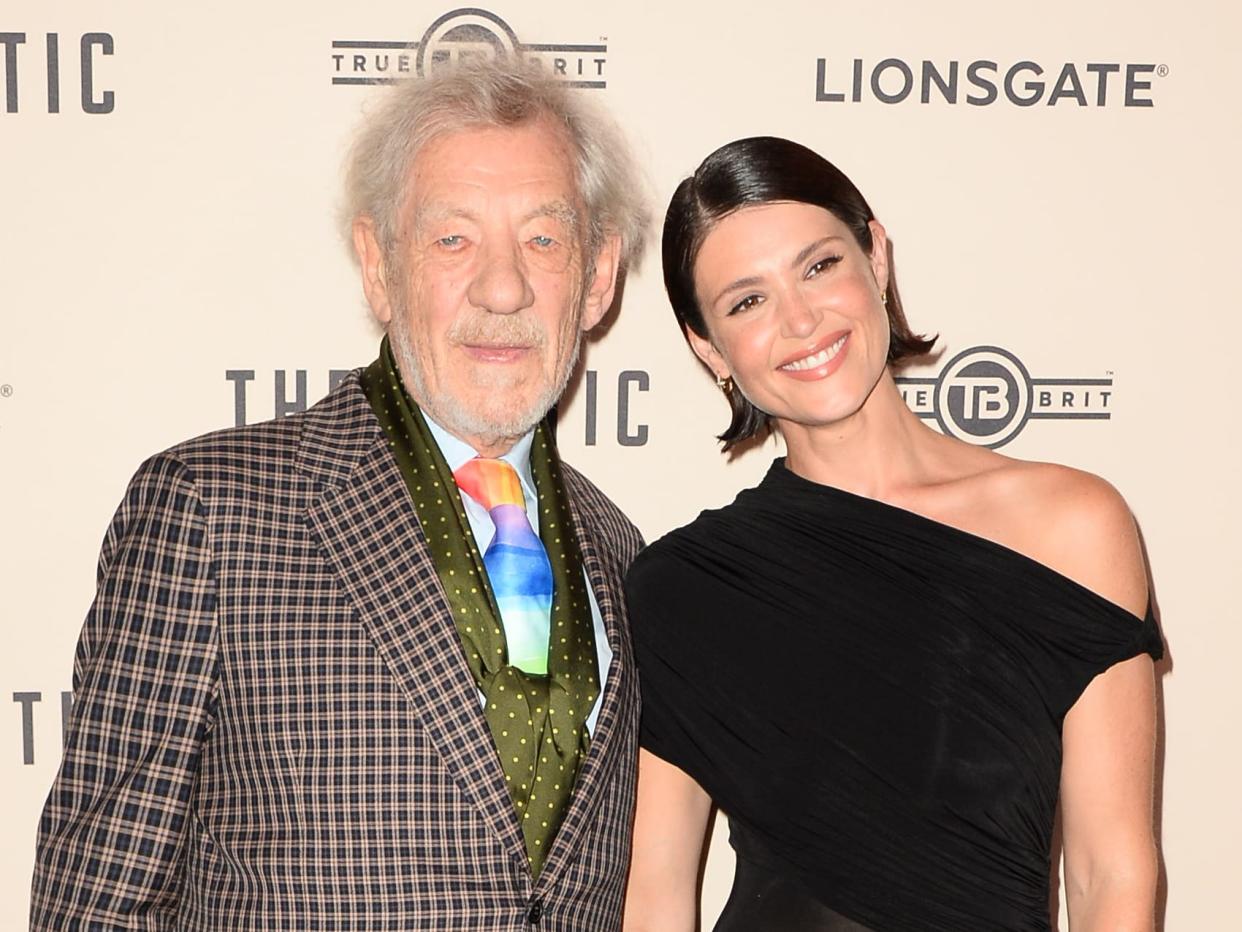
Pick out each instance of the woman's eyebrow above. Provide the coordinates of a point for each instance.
(736, 285)
(806, 251)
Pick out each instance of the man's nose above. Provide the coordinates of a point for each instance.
(501, 284)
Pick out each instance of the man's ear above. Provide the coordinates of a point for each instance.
(706, 351)
(879, 255)
(603, 284)
(371, 260)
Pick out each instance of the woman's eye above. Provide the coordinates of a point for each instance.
(450, 241)
(822, 265)
(543, 241)
(748, 302)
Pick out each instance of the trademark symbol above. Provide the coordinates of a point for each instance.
(6, 390)
(1162, 70)
(1109, 373)
(603, 38)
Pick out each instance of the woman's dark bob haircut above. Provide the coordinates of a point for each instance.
(760, 170)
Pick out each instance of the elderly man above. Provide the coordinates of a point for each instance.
(367, 666)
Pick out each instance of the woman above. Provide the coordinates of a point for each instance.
(887, 661)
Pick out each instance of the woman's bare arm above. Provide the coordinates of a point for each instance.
(670, 824)
(1108, 739)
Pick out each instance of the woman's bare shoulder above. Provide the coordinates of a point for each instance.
(1073, 521)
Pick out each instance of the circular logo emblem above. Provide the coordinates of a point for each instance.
(983, 396)
(464, 34)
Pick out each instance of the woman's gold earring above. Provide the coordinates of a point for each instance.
(725, 383)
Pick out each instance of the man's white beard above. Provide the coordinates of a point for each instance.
(491, 427)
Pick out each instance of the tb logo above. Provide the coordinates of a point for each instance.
(983, 396)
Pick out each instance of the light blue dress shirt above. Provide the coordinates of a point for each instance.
(456, 452)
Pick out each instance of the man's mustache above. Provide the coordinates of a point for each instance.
(498, 330)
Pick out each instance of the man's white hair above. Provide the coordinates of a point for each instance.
(495, 93)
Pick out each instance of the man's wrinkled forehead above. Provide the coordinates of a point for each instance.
(446, 166)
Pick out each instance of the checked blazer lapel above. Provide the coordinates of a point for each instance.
(619, 699)
(370, 536)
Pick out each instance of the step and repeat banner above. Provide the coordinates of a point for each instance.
(1059, 181)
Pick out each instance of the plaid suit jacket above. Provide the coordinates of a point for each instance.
(274, 726)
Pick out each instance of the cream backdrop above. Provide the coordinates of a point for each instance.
(185, 230)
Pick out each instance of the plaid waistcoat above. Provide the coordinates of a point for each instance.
(274, 726)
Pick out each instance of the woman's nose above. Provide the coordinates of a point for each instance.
(799, 318)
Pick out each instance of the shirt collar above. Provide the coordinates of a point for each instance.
(456, 452)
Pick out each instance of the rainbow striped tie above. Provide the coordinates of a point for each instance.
(516, 561)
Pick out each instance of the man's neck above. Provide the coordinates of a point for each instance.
(490, 447)
(456, 448)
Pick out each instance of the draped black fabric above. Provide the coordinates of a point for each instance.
(874, 698)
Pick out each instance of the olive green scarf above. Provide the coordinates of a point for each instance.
(538, 723)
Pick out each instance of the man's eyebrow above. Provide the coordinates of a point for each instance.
(559, 210)
(429, 213)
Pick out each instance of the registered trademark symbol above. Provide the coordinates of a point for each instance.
(6, 390)
(1162, 70)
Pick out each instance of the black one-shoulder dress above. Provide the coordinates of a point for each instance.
(875, 700)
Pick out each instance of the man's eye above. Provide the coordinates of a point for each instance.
(821, 265)
(450, 241)
(543, 242)
(748, 302)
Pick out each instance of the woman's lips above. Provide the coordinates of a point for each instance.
(821, 360)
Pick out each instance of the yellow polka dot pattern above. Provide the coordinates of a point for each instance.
(541, 757)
